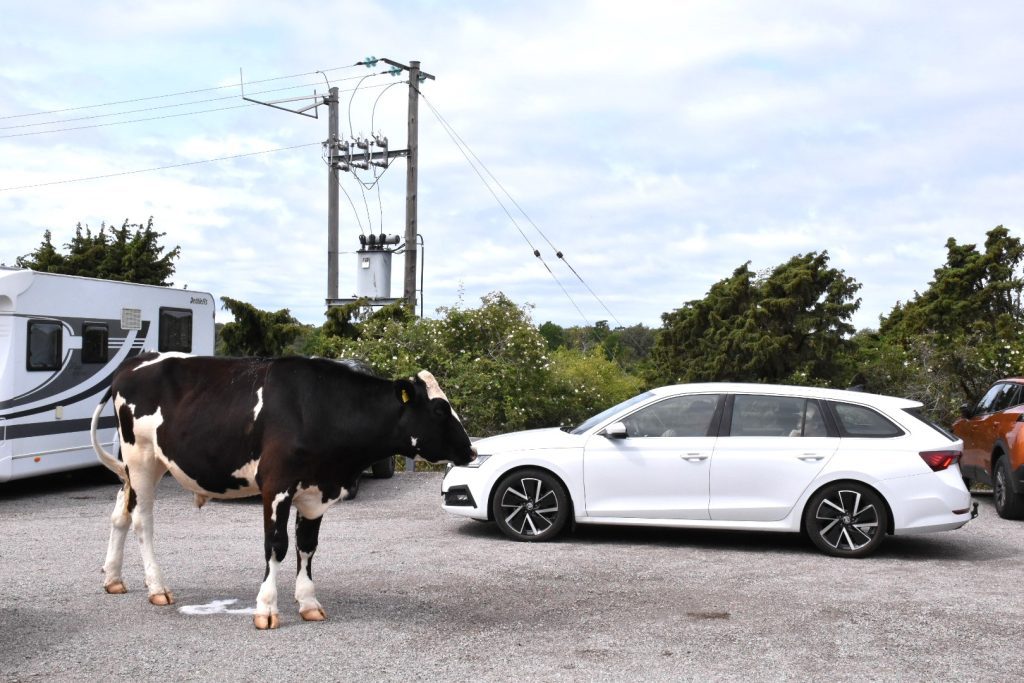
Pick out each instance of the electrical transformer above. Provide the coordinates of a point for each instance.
(373, 266)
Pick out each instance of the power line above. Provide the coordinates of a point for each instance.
(175, 94)
(157, 168)
(164, 106)
(119, 123)
(557, 251)
(327, 161)
(462, 143)
(536, 252)
(352, 97)
(373, 111)
(149, 118)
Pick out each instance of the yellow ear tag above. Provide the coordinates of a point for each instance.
(405, 396)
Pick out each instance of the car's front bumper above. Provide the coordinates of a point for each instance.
(463, 492)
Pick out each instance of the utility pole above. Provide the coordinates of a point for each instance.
(332, 194)
(410, 187)
(416, 76)
(340, 157)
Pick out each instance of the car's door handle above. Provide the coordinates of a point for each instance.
(693, 457)
(811, 457)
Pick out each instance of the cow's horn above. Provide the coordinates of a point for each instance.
(433, 388)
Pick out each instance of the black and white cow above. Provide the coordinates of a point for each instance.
(298, 431)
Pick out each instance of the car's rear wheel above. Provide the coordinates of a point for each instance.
(530, 505)
(846, 520)
(1009, 505)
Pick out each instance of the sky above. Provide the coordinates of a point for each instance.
(657, 145)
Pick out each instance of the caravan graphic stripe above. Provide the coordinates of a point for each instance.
(57, 427)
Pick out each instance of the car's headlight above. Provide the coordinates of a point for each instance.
(478, 460)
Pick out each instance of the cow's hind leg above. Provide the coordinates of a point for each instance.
(144, 481)
(120, 521)
(307, 531)
(276, 507)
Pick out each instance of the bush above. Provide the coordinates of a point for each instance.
(492, 361)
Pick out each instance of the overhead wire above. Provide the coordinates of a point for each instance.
(157, 168)
(165, 106)
(353, 205)
(362, 186)
(119, 123)
(175, 94)
(351, 97)
(347, 196)
(536, 252)
(497, 182)
(387, 162)
(150, 118)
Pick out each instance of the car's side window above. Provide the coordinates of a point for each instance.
(1006, 398)
(864, 422)
(814, 421)
(676, 416)
(754, 415)
(985, 404)
(1014, 397)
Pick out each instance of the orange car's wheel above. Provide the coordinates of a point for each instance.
(1009, 505)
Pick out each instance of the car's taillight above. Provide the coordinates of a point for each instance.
(940, 460)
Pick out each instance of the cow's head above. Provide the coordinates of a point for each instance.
(428, 424)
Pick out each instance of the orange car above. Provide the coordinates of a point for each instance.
(993, 436)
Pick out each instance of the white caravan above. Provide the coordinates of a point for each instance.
(61, 338)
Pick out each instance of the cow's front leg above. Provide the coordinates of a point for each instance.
(307, 531)
(276, 507)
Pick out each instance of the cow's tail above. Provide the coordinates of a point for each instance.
(108, 459)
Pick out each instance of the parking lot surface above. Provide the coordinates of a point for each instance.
(413, 594)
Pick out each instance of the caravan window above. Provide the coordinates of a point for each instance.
(44, 345)
(175, 329)
(94, 343)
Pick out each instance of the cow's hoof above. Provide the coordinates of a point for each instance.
(314, 614)
(162, 599)
(116, 588)
(265, 621)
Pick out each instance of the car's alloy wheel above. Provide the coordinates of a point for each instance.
(530, 505)
(1009, 505)
(846, 520)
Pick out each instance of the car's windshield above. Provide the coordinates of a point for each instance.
(605, 414)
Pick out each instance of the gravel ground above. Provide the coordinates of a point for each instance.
(413, 594)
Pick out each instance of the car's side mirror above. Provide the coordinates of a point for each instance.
(616, 430)
(965, 411)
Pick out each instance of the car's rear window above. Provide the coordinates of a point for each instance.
(918, 414)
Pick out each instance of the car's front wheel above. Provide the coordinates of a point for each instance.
(846, 519)
(1009, 505)
(530, 505)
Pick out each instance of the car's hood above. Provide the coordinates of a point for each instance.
(529, 440)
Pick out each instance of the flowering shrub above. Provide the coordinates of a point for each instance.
(491, 361)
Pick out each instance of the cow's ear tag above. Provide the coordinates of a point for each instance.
(405, 396)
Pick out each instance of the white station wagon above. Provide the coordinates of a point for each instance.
(844, 467)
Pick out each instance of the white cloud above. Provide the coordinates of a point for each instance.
(659, 145)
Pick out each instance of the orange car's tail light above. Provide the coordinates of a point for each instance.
(940, 460)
